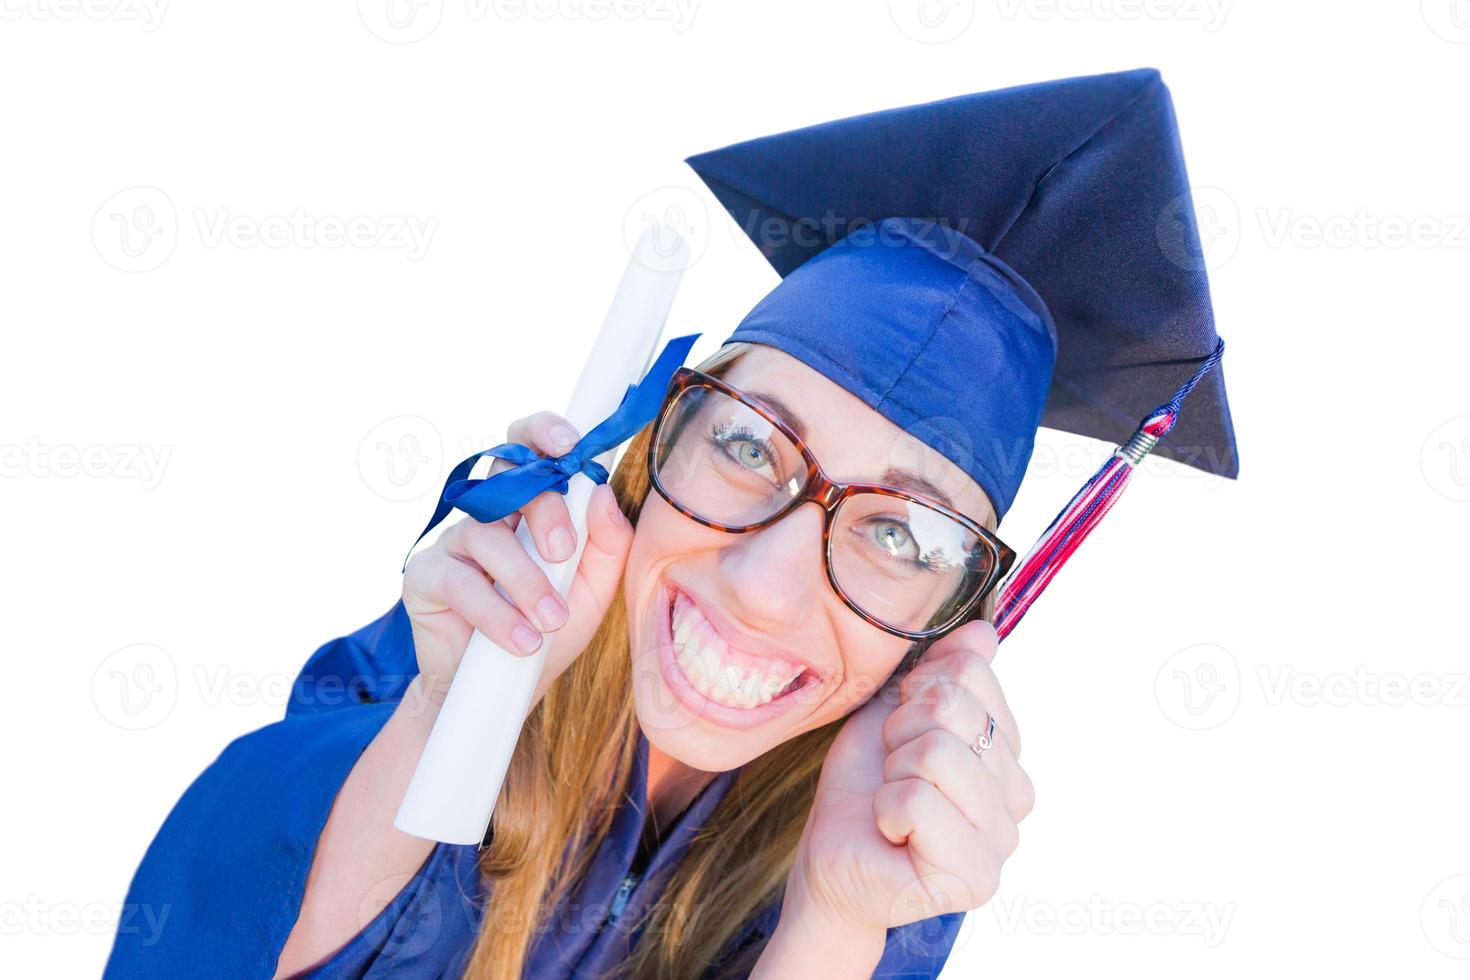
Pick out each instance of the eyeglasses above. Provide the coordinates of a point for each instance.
(905, 563)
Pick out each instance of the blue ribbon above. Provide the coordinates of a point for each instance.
(509, 490)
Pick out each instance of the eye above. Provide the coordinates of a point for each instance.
(893, 538)
(893, 541)
(746, 449)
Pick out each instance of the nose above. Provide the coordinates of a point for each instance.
(775, 575)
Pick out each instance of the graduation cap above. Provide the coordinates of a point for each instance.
(979, 266)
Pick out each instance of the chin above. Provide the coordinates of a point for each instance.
(709, 694)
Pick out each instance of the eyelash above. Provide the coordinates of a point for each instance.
(724, 434)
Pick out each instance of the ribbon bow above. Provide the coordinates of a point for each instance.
(508, 491)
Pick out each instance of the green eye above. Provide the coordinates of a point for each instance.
(893, 538)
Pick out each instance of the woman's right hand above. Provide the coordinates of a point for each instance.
(449, 588)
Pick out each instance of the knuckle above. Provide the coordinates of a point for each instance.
(911, 794)
(987, 881)
(892, 726)
(459, 582)
(1008, 836)
(930, 750)
(526, 424)
(1025, 797)
(934, 712)
(415, 570)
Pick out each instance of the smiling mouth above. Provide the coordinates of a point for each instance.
(724, 675)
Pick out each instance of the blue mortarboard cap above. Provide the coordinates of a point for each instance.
(975, 267)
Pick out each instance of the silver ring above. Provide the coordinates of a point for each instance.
(985, 739)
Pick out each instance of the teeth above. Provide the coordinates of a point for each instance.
(701, 655)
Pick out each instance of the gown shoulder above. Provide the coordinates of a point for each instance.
(225, 874)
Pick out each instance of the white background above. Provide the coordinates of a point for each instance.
(1245, 705)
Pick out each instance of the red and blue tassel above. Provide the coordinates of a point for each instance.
(1086, 510)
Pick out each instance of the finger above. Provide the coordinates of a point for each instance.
(977, 635)
(550, 435)
(934, 701)
(945, 847)
(943, 675)
(464, 589)
(962, 715)
(545, 432)
(546, 514)
(496, 550)
(948, 853)
(979, 785)
(942, 759)
(609, 537)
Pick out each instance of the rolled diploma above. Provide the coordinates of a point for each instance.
(458, 778)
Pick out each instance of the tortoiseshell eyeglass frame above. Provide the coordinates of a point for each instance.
(827, 494)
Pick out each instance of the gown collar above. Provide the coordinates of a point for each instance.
(597, 924)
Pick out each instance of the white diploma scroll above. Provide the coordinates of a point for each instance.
(459, 775)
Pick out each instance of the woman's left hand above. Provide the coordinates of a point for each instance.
(908, 822)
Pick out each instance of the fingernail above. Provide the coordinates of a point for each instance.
(525, 639)
(560, 543)
(551, 611)
(615, 510)
(563, 436)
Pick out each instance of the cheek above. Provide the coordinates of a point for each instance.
(868, 660)
(662, 536)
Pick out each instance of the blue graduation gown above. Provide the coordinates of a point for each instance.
(229, 864)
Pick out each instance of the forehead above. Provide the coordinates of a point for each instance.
(852, 442)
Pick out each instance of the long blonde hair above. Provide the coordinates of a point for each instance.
(567, 779)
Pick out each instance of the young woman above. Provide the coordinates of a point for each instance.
(769, 741)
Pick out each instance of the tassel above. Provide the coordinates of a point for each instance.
(1086, 510)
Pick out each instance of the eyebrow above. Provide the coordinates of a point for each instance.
(893, 476)
(781, 409)
(905, 480)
